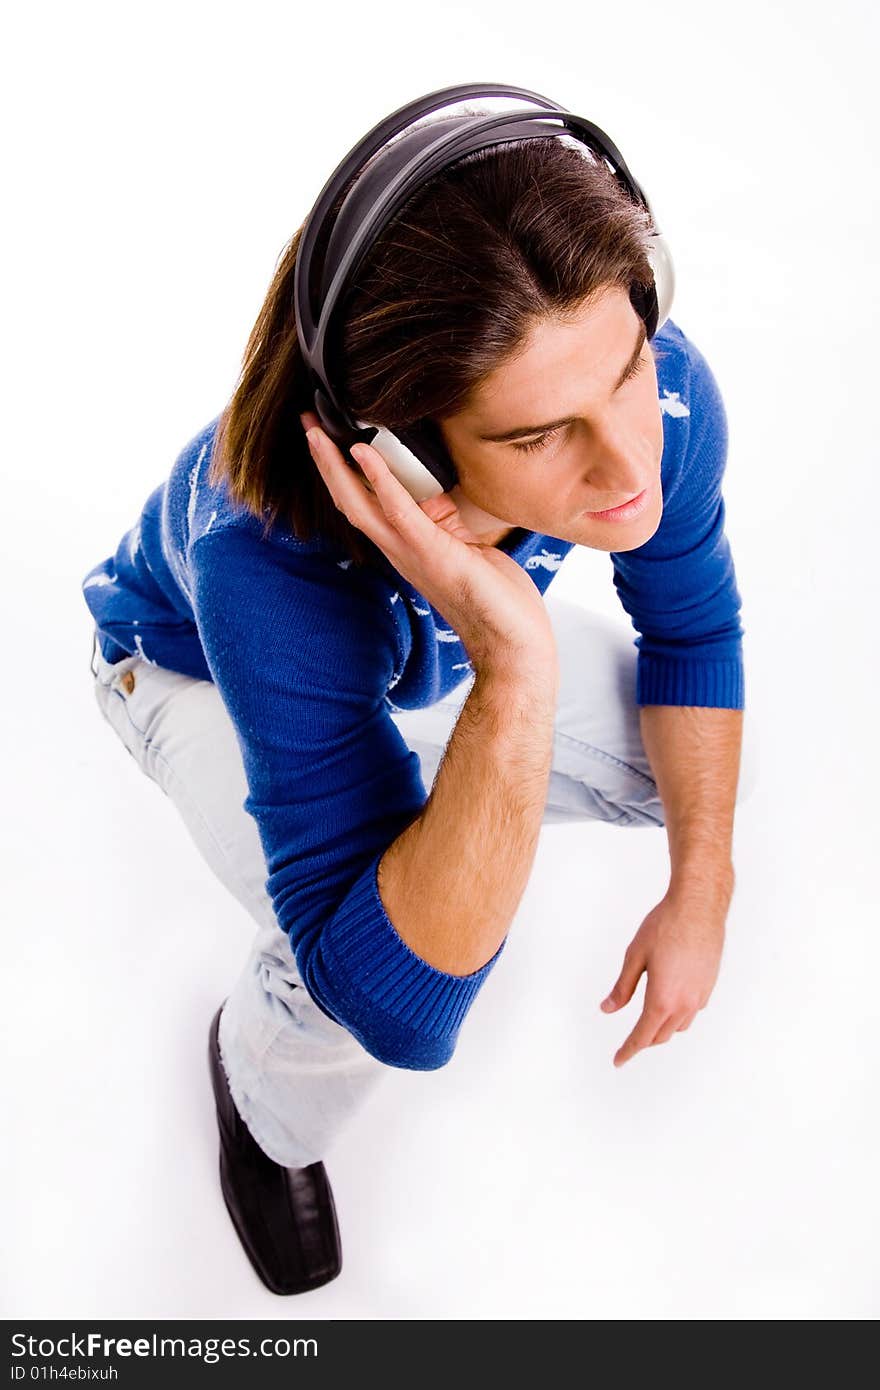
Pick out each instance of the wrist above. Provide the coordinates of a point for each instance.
(703, 876)
(533, 679)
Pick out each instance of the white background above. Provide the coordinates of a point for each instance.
(157, 160)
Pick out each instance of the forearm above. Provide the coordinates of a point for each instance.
(694, 754)
(452, 881)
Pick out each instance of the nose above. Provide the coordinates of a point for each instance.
(618, 468)
(614, 481)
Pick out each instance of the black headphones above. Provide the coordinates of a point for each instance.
(417, 455)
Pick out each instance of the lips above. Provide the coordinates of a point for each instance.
(618, 506)
(624, 511)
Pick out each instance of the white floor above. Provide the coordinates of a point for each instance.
(729, 1174)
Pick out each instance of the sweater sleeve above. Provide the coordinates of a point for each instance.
(302, 651)
(680, 587)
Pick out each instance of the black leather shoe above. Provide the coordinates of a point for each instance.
(285, 1217)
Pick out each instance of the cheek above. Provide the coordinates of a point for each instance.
(658, 437)
(493, 495)
(652, 421)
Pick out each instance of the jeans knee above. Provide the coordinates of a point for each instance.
(643, 815)
(636, 802)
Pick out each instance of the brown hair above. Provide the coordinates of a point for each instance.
(447, 292)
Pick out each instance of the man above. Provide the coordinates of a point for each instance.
(298, 729)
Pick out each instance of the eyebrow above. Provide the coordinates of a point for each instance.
(566, 419)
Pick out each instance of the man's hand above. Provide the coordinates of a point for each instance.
(679, 944)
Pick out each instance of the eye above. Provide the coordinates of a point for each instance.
(639, 364)
(537, 443)
(542, 439)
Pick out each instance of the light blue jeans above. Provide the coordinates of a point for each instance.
(296, 1075)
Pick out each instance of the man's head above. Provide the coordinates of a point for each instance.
(556, 435)
(504, 294)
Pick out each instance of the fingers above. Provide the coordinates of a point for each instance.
(349, 493)
(662, 1014)
(393, 514)
(660, 1018)
(309, 419)
(399, 506)
(656, 1025)
(622, 990)
(641, 1036)
(672, 1025)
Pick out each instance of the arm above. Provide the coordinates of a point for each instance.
(453, 880)
(302, 652)
(695, 756)
(680, 589)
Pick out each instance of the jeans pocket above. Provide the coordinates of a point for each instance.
(112, 674)
(129, 702)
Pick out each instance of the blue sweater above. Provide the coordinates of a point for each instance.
(311, 655)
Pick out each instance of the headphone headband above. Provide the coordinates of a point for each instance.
(373, 142)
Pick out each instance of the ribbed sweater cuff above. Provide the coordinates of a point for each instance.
(407, 1009)
(662, 680)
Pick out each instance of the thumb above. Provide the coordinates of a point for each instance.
(622, 990)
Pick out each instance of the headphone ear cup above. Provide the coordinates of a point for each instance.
(419, 481)
(416, 455)
(331, 421)
(660, 258)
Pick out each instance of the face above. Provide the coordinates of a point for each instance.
(582, 442)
